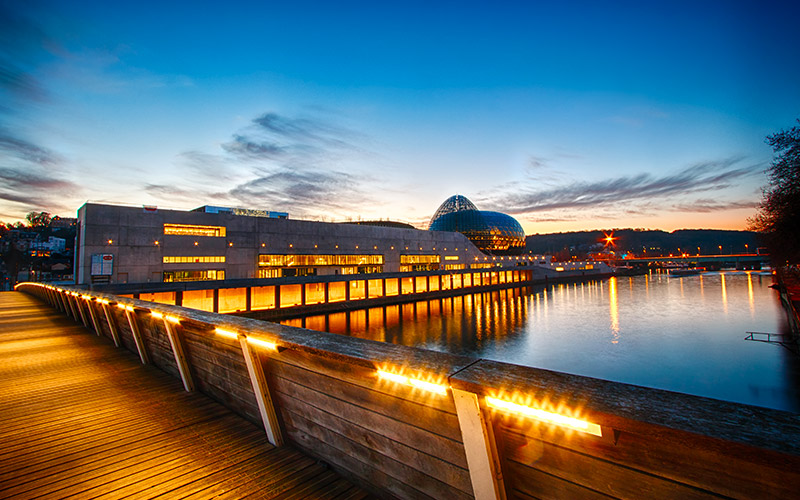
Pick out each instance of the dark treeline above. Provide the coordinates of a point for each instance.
(639, 241)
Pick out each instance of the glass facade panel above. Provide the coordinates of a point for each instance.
(392, 285)
(232, 300)
(160, 297)
(337, 291)
(407, 285)
(422, 284)
(315, 293)
(357, 290)
(433, 283)
(375, 288)
(199, 299)
(262, 297)
(291, 295)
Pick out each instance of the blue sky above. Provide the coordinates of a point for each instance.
(568, 116)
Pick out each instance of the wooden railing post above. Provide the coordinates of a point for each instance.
(180, 355)
(261, 389)
(93, 315)
(80, 310)
(480, 446)
(137, 335)
(70, 309)
(112, 324)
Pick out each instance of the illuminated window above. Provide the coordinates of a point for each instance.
(205, 275)
(409, 263)
(192, 260)
(480, 266)
(453, 267)
(420, 259)
(268, 273)
(192, 230)
(451, 257)
(274, 260)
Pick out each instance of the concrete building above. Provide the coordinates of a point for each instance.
(118, 244)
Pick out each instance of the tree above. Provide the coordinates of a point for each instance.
(38, 219)
(778, 217)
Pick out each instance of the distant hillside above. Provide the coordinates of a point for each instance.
(637, 240)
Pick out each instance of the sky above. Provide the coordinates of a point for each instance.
(573, 115)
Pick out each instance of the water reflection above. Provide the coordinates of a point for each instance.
(614, 309)
(676, 337)
(724, 293)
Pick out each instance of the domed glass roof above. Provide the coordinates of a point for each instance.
(455, 203)
(492, 232)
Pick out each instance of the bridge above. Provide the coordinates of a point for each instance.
(739, 261)
(83, 419)
(397, 421)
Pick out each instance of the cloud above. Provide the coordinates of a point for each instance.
(17, 147)
(618, 191)
(706, 206)
(34, 188)
(304, 165)
(302, 141)
(304, 191)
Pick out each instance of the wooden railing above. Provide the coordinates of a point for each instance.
(412, 423)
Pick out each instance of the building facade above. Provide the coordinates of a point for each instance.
(118, 244)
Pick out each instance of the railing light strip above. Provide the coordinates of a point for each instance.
(413, 382)
(263, 343)
(545, 416)
(226, 333)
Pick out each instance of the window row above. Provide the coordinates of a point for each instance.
(205, 275)
(194, 230)
(185, 260)
(266, 260)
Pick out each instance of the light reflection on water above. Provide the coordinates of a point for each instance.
(677, 333)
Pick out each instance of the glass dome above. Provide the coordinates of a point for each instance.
(492, 232)
(455, 203)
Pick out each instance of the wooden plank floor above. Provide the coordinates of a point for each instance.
(80, 418)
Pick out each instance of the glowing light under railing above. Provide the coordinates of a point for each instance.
(104, 301)
(156, 315)
(226, 333)
(413, 382)
(545, 416)
(263, 343)
(173, 319)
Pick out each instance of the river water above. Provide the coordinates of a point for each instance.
(683, 334)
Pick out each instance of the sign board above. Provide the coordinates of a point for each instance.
(102, 264)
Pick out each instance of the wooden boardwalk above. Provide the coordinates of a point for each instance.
(83, 419)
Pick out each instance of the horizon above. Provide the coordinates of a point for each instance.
(567, 122)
